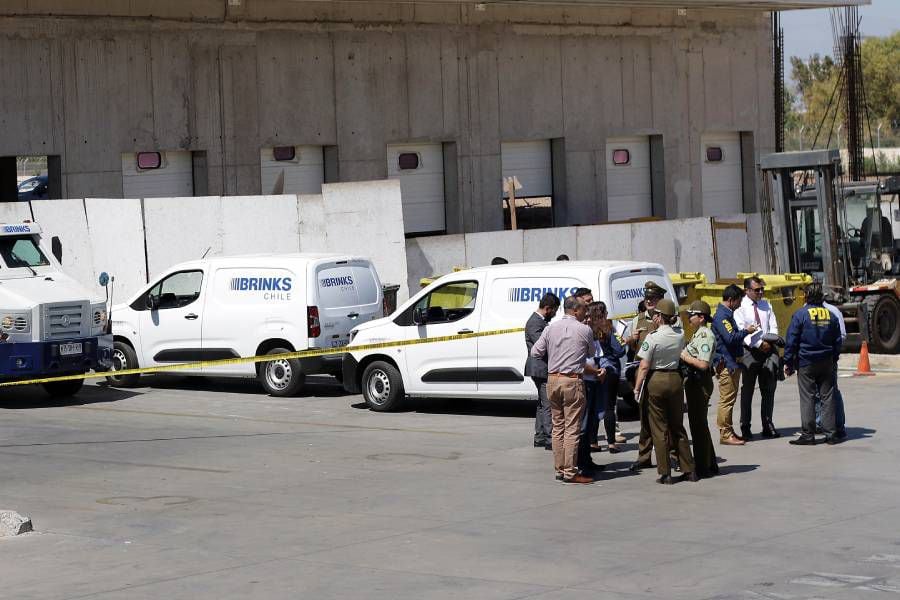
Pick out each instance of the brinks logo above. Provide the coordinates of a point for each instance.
(534, 294)
(261, 284)
(630, 294)
(336, 281)
(16, 229)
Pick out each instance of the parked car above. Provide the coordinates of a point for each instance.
(477, 300)
(33, 188)
(241, 306)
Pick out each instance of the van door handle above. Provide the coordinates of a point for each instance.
(463, 331)
(353, 315)
(191, 317)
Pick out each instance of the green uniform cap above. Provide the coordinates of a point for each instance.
(699, 307)
(653, 289)
(666, 307)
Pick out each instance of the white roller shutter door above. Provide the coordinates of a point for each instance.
(421, 187)
(721, 179)
(628, 188)
(530, 163)
(303, 174)
(173, 179)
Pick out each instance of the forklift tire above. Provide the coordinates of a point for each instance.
(883, 314)
(63, 389)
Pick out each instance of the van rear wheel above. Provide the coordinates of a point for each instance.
(382, 386)
(281, 377)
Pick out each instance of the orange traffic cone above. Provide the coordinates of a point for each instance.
(863, 368)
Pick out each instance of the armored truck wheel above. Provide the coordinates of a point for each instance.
(63, 389)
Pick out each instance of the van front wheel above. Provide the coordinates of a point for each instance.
(382, 386)
(281, 377)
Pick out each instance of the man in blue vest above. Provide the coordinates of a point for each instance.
(812, 350)
(726, 361)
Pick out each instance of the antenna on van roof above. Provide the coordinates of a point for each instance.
(206, 252)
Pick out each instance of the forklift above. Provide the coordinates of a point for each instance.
(842, 234)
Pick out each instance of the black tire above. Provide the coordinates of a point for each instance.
(884, 323)
(382, 387)
(63, 389)
(281, 378)
(124, 357)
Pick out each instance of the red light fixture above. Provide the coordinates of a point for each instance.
(714, 154)
(149, 160)
(281, 153)
(621, 157)
(408, 161)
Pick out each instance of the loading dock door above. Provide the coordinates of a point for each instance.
(720, 160)
(628, 181)
(292, 170)
(157, 174)
(531, 163)
(420, 169)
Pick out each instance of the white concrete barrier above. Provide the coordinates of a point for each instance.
(603, 242)
(68, 220)
(481, 248)
(116, 231)
(435, 255)
(181, 229)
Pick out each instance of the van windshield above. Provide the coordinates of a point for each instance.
(21, 252)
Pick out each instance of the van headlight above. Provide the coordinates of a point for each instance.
(15, 322)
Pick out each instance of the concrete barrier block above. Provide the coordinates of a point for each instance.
(14, 212)
(481, 248)
(260, 224)
(429, 256)
(758, 261)
(116, 230)
(311, 228)
(366, 218)
(547, 244)
(603, 242)
(67, 220)
(12, 523)
(679, 245)
(181, 229)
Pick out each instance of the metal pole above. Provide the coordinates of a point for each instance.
(800, 135)
(880, 125)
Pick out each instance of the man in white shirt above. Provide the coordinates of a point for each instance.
(760, 357)
(840, 431)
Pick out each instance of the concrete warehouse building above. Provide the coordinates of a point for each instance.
(605, 110)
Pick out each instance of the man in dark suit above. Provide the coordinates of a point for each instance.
(536, 368)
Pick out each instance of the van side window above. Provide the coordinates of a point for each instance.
(448, 303)
(175, 291)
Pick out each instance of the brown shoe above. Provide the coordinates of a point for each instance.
(579, 479)
(732, 441)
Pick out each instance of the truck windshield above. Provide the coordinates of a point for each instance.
(21, 252)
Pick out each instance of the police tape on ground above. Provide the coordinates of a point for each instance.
(264, 358)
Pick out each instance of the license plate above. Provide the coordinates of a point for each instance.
(69, 349)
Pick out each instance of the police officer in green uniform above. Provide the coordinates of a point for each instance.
(660, 353)
(698, 387)
(641, 326)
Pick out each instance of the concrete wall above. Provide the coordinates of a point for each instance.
(679, 245)
(125, 237)
(225, 80)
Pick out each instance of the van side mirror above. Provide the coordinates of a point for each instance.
(103, 279)
(56, 248)
(152, 302)
(420, 315)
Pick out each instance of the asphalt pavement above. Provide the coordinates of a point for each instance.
(201, 489)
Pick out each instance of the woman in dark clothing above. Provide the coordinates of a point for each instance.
(610, 350)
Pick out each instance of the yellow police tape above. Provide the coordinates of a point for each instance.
(266, 358)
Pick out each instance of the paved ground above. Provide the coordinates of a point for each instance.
(201, 489)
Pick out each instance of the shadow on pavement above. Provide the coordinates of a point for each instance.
(467, 406)
(33, 396)
(729, 469)
(315, 386)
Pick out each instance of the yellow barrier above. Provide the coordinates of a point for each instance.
(267, 357)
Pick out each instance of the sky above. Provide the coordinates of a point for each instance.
(809, 31)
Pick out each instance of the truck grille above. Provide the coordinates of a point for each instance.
(65, 320)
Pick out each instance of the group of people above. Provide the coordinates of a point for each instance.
(575, 363)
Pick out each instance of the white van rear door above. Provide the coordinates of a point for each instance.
(626, 290)
(347, 293)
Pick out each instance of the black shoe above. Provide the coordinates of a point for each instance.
(803, 440)
(840, 435)
(746, 434)
(665, 480)
(770, 433)
(638, 465)
(592, 467)
(831, 440)
(693, 477)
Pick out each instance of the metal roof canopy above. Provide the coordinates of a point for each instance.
(742, 4)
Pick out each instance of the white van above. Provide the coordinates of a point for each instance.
(474, 300)
(237, 306)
